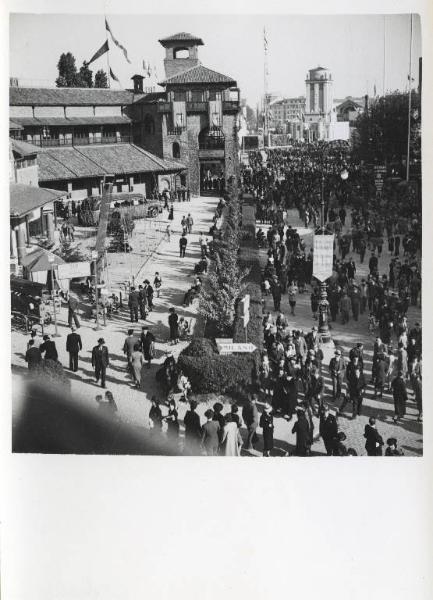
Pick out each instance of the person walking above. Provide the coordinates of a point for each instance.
(336, 370)
(157, 283)
(137, 362)
(147, 340)
(231, 441)
(292, 292)
(182, 245)
(192, 430)
(133, 304)
(399, 392)
(189, 223)
(374, 441)
(302, 430)
(210, 437)
(250, 416)
(172, 421)
(267, 424)
(345, 306)
(149, 294)
(128, 348)
(73, 346)
(142, 301)
(173, 323)
(100, 361)
(72, 311)
(355, 387)
(155, 416)
(33, 356)
(329, 431)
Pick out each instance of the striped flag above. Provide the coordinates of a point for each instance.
(118, 44)
(265, 40)
(113, 76)
(102, 50)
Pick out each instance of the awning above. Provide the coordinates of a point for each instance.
(25, 198)
(38, 260)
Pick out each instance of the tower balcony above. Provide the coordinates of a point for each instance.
(231, 106)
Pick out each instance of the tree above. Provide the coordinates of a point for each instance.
(85, 76)
(67, 69)
(101, 80)
(381, 132)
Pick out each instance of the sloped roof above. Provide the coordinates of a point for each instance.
(24, 198)
(319, 69)
(182, 37)
(23, 148)
(14, 125)
(96, 161)
(20, 96)
(38, 260)
(198, 74)
(72, 121)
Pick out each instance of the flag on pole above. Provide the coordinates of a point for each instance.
(118, 44)
(102, 50)
(374, 90)
(113, 76)
(265, 41)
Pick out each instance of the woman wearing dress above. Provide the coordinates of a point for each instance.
(231, 439)
(172, 421)
(137, 362)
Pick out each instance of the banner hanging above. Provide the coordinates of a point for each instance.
(323, 254)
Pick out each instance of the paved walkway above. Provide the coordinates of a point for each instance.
(177, 277)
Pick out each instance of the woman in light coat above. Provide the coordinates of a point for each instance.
(231, 441)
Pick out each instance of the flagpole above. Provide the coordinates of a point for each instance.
(265, 86)
(410, 100)
(108, 52)
(384, 54)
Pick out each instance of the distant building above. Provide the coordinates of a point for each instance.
(285, 110)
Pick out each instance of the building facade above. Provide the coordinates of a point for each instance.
(286, 110)
(195, 120)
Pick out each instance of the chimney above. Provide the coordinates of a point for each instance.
(138, 83)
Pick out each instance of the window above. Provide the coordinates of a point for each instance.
(176, 150)
(179, 96)
(149, 125)
(180, 53)
(180, 120)
(196, 96)
(214, 95)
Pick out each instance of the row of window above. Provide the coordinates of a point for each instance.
(23, 163)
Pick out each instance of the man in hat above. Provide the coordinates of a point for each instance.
(329, 430)
(182, 245)
(355, 387)
(49, 347)
(73, 346)
(147, 344)
(374, 441)
(358, 352)
(100, 361)
(142, 301)
(312, 338)
(267, 424)
(392, 449)
(336, 370)
(303, 433)
(33, 356)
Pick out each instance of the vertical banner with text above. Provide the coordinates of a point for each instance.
(323, 256)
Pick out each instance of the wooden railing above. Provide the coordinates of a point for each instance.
(83, 141)
(196, 106)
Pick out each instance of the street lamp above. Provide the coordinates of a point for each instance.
(95, 263)
(323, 302)
(51, 259)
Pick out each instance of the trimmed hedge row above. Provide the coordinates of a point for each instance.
(219, 373)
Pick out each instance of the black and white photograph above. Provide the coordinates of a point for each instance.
(219, 234)
(214, 251)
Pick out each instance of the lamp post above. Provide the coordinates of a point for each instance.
(323, 302)
(95, 262)
(51, 260)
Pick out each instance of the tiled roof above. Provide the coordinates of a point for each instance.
(20, 96)
(96, 161)
(23, 148)
(182, 37)
(24, 198)
(198, 74)
(72, 121)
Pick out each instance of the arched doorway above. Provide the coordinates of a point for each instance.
(211, 143)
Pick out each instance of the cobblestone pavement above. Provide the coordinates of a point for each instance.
(177, 274)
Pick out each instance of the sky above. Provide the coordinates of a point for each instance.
(351, 46)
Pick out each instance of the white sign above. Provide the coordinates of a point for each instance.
(73, 269)
(227, 347)
(245, 308)
(323, 256)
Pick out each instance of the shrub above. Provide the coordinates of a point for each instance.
(220, 373)
(201, 347)
(50, 373)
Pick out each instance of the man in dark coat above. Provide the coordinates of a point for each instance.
(267, 424)
(250, 416)
(149, 293)
(73, 346)
(33, 356)
(182, 246)
(355, 387)
(374, 441)
(373, 263)
(128, 347)
(142, 301)
(72, 311)
(380, 369)
(49, 347)
(303, 435)
(133, 304)
(276, 294)
(100, 361)
(399, 393)
(192, 430)
(147, 344)
(329, 430)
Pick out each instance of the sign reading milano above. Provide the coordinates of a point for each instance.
(323, 254)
